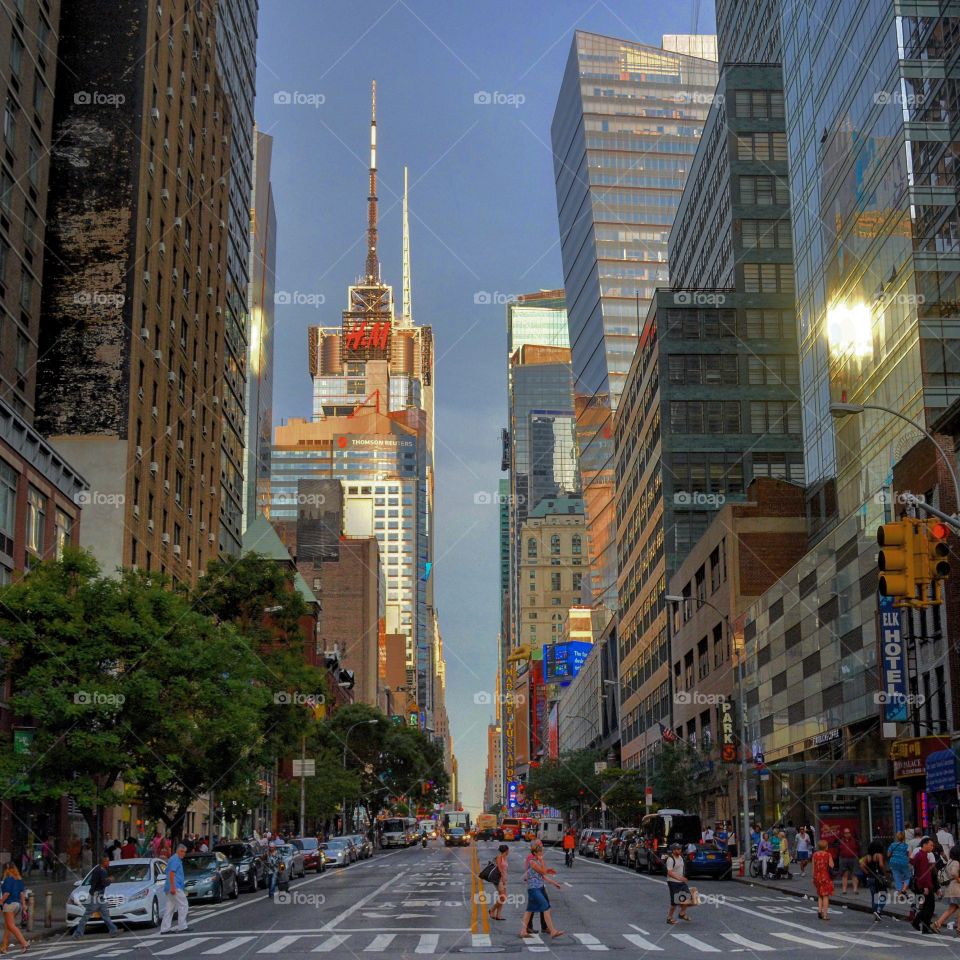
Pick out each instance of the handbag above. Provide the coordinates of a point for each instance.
(491, 873)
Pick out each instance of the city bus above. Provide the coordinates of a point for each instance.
(518, 828)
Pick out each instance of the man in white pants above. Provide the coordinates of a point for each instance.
(176, 896)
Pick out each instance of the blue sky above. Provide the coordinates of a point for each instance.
(482, 221)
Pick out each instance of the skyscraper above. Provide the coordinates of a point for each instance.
(748, 31)
(627, 123)
(132, 376)
(261, 312)
(372, 428)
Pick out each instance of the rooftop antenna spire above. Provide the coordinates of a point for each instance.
(373, 264)
(407, 298)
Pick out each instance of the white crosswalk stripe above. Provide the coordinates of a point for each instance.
(535, 944)
(428, 943)
(379, 943)
(915, 940)
(806, 941)
(183, 945)
(590, 941)
(230, 945)
(328, 946)
(278, 945)
(641, 942)
(695, 943)
(744, 942)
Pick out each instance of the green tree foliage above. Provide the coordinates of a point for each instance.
(567, 783)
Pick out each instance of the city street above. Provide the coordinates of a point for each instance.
(416, 902)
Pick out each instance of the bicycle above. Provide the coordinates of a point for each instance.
(568, 857)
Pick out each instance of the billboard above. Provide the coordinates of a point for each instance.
(893, 659)
(562, 661)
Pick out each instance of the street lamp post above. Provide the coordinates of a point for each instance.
(346, 738)
(744, 794)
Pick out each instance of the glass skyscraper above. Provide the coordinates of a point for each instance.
(627, 123)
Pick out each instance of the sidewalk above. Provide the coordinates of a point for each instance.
(59, 890)
(803, 887)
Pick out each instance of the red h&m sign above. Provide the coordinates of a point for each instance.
(368, 337)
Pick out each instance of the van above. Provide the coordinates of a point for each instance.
(658, 830)
(550, 830)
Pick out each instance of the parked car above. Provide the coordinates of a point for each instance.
(709, 861)
(626, 846)
(313, 858)
(338, 852)
(614, 839)
(135, 894)
(363, 845)
(587, 846)
(658, 831)
(291, 857)
(209, 876)
(456, 837)
(248, 858)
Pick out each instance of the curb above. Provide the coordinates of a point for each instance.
(795, 892)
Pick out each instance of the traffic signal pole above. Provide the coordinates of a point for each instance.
(919, 504)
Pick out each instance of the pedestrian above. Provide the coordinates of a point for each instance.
(129, 850)
(96, 899)
(874, 867)
(176, 897)
(73, 852)
(536, 875)
(908, 832)
(803, 850)
(86, 857)
(898, 858)
(849, 860)
(708, 834)
(46, 855)
(26, 863)
(924, 885)
(602, 846)
(543, 919)
(156, 844)
(950, 890)
(115, 849)
(791, 832)
(680, 893)
(945, 837)
(764, 854)
(569, 846)
(500, 898)
(273, 867)
(13, 897)
(822, 878)
(783, 863)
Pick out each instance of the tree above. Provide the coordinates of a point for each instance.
(567, 783)
(623, 794)
(675, 771)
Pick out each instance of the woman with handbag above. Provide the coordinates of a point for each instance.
(874, 867)
(950, 892)
(13, 897)
(498, 877)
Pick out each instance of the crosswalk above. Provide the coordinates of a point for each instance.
(664, 942)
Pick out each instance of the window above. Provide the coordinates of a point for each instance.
(555, 582)
(768, 277)
(10, 123)
(774, 416)
(577, 581)
(8, 506)
(62, 530)
(766, 234)
(555, 545)
(36, 519)
(16, 56)
(532, 548)
(577, 544)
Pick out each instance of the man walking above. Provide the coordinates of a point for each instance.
(849, 860)
(680, 895)
(944, 838)
(924, 885)
(96, 902)
(176, 896)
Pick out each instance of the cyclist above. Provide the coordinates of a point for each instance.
(569, 846)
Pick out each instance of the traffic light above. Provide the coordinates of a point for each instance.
(935, 554)
(896, 562)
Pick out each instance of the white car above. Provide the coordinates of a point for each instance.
(135, 894)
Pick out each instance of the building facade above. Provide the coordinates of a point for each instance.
(748, 31)
(625, 129)
(131, 378)
(258, 402)
(693, 430)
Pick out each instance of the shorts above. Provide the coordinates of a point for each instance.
(11, 907)
(849, 863)
(803, 855)
(679, 888)
(537, 901)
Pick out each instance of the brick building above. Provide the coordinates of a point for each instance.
(745, 549)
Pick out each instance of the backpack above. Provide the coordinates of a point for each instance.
(944, 877)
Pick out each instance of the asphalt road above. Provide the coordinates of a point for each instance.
(411, 903)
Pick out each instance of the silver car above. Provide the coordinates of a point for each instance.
(292, 859)
(135, 893)
(339, 852)
(363, 845)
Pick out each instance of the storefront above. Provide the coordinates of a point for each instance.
(910, 756)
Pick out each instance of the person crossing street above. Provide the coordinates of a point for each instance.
(569, 847)
(176, 902)
(96, 902)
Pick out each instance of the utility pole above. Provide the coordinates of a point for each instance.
(303, 784)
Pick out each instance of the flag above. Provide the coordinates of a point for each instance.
(667, 734)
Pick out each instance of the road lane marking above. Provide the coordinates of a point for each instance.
(535, 944)
(279, 945)
(180, 947)
(230, 945)
(816, 944)
(379, 943)
(587, 895)
(640, 942)
(744, 942)
(695, 943)
(328, 946)
(428, 943)
(925, 942)
(590, 941)
(481, 940)
(74, 951)
(633, 926)
(330, 926)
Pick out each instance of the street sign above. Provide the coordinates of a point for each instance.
(648, 796)
(304, 768)
(599, 766)
(23, 741)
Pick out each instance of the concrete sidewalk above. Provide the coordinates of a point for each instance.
(59, 890)
(802, 886)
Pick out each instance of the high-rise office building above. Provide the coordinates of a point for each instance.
(132, 376)
(236, 43)
(258, 405)
(627, 123)
(748, 31)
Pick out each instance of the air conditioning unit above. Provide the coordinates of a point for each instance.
(154, 466)
(179, 173)
(154, 411)
(193, 101)
(171, 377)
(169, 431)
(162, 247)
(183, 342)
(180, 125)
(203, 526)
(165, 537)
(216, 401)
(209, 291)
(189, 563)
(193, 414)
(144, 333)
(151, 169)
(158, 356)
(211, 538)
(136, 509)
(176, 549)
(140, 394)
(180, 445)
(150, 525)
(176, 274)
(190, 513)
(166, 144)
(166, 485)
(194, 366)
(146, 276)
(173, 325)
(191, 463)
(186, 29)
(155, 115)
(206, 88)
(139, 453)
(177, 223)
(164, 194)
(169, 93)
